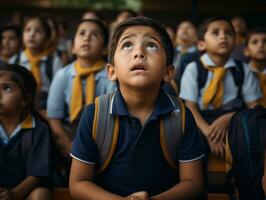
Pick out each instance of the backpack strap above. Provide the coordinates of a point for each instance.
(237, 73)
(105, 129)
(172, 127)
(49, 67)
(202, 74)
(238, 76)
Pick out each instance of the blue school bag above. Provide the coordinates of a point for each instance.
(105, 131)
(246, 133)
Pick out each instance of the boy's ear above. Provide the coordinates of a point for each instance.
(111, 72)
(201, 45)
(169, 74)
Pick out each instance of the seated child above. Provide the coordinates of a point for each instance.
(77, 84)
(10, 44)
(25, 143)
(214, 87)
(140, 57)
(256, 51)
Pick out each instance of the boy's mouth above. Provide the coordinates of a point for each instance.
(138, 67)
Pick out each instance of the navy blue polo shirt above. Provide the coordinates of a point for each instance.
(138, 163)
(17, 164)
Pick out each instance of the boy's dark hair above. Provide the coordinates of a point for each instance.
(44, 24)
(104, 30)
(205, 25)
(256, 30)
(142, 21)
(25, 80)
(11, 27)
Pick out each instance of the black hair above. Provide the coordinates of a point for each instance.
(205, 25)
(12, 27)
(142, 21)
(25, 81)
(104, 30)
(44, 24)
(256, 30)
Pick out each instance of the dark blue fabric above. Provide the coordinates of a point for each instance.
(138, 163)
(14, 168)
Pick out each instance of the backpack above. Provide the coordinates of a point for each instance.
(246, 133)
(105, 130)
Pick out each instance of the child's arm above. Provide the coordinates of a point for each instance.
(81, 185)
(217, 148)
(200, 121)
(191, 183)
(22, 190)
(62, 137)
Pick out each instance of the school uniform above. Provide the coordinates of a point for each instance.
(46, 75)
(261, 76)
(138, 163)
(59, 98)
(27, 152)
(190, 89)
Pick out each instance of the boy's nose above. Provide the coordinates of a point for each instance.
(139, 54)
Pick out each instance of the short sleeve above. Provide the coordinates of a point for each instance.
(192, 143)
(56, 96)
(250, 89)
(84, 148)
(39, 161)
(189, 85)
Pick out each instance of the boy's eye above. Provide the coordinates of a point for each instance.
(7, 88)
(152, 46)
(82, 33)
(215, 32)
(127, 45)
(229, 33)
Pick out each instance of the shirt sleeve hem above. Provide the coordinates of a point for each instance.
(84, 161)
(194, 159)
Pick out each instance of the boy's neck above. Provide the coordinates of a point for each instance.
(10, 123)
(85, 62)
(184, 46)
(259, 65)
(35, 52)
(218, 59)
(140, 103)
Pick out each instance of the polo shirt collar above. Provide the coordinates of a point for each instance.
(207, 61)
(191, 49)
(163, 104)
(28, 123)
(25, 60)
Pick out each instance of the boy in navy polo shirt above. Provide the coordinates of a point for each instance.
(140, 59)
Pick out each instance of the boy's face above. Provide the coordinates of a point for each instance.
(140, 59)
(34, 35)
(256, 47)
(219, 39)
(186, 32)
(10, 43)
(88, 42)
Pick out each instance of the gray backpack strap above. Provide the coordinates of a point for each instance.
(171, 129)
(105, 129)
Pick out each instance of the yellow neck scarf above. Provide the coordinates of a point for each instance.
(27, 122)
(215, 90)
(76, 102)
(34, 61)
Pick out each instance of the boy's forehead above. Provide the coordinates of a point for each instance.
(139, 30)
(220, 24)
